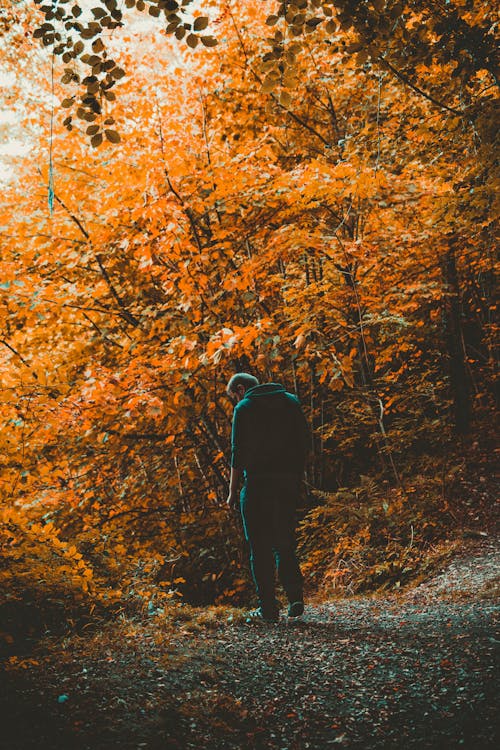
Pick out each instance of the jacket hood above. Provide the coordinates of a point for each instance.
(266, 389)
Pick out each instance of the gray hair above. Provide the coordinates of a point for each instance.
(241, 378)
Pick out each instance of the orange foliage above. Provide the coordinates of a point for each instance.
(319, 230)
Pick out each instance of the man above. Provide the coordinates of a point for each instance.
(270, 440)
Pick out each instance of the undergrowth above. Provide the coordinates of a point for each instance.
(370, 537)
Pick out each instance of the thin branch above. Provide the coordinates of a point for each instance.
(75, 169)
(14, 351)
(417, 90)
(73, 218)
(106, 338)
(103, 309)
(330, 106)
(295, 117)
(135, 511)
(153, 437)
(48, 236)
(125, 314)
(378, 122)
(209, 156)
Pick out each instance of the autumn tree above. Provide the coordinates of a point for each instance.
(284, 203)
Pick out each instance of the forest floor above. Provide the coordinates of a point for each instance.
(414, 669)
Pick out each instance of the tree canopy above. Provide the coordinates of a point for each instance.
(312, 200)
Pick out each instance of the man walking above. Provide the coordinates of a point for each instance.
(270, 440)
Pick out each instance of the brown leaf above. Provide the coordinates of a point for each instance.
(200, 23)
(112, 136)
(209, 41)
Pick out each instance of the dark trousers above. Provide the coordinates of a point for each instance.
(268, 510)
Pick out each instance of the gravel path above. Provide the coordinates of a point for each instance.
(416, 670)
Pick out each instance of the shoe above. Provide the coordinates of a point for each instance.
(296, 609)
(257, 615)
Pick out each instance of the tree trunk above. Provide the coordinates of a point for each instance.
(453, 339)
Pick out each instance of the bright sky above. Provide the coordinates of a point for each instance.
(12, 143)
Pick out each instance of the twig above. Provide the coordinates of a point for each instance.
(417, 90)
(14, 351)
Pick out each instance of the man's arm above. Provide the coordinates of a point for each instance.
(232, 498)
(236, 467)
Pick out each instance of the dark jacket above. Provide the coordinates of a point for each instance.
(270, 433)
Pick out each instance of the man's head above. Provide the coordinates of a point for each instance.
(239, 385)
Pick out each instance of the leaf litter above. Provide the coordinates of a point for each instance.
(414, 669)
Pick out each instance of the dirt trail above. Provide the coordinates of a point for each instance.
(416, 670)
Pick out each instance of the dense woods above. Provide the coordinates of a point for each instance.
(305, 191)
